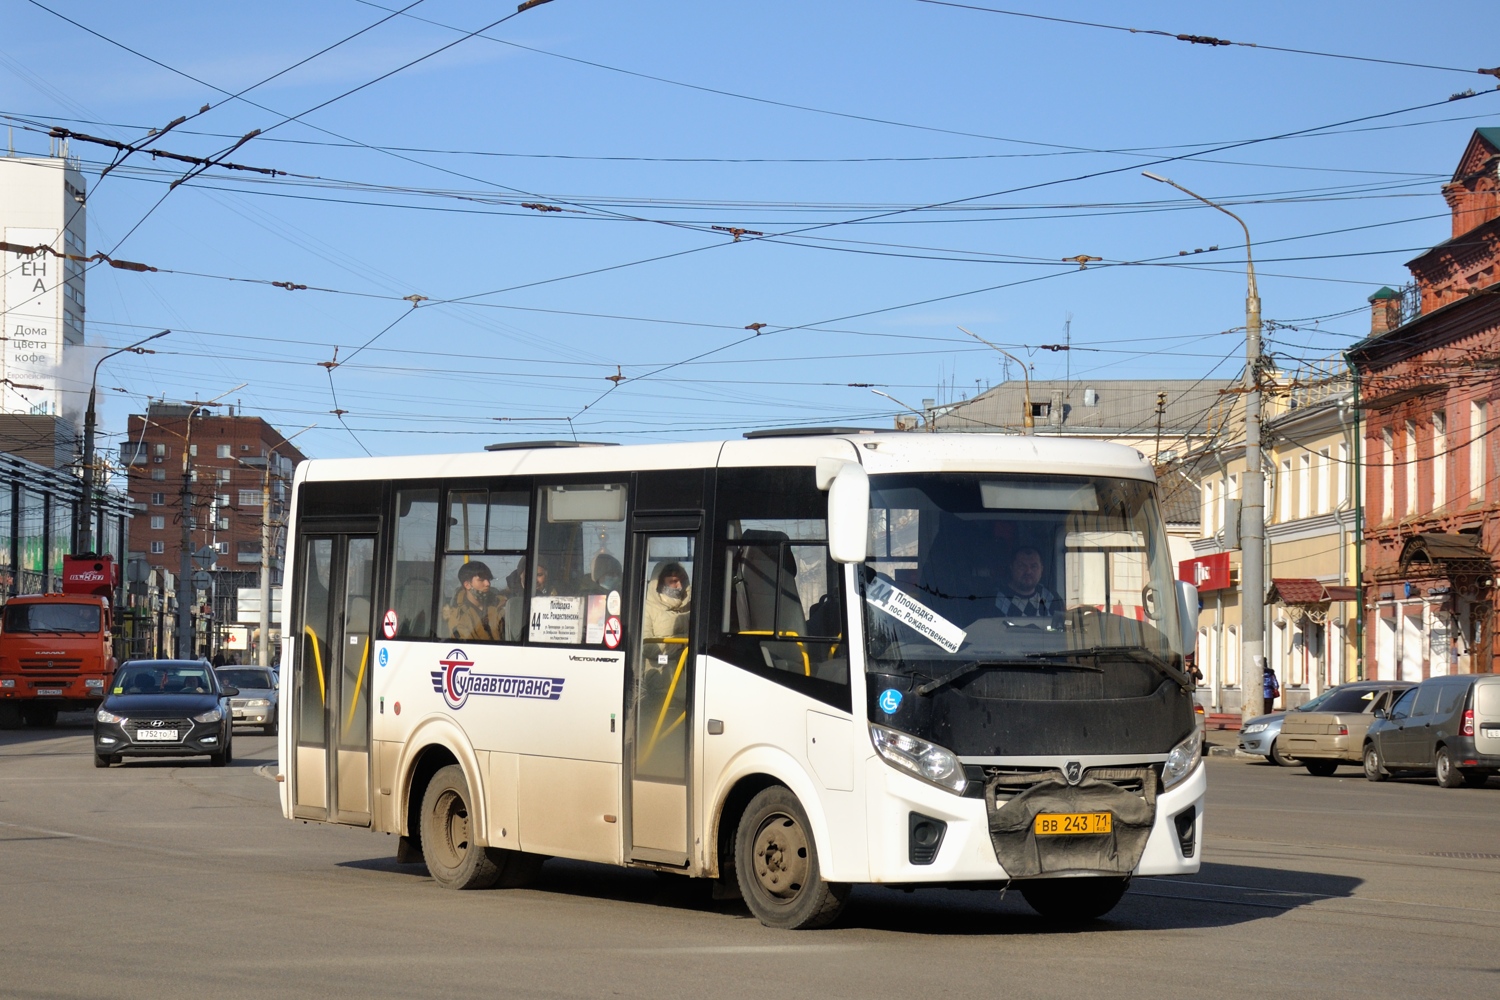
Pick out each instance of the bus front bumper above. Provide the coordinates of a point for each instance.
(906, 815)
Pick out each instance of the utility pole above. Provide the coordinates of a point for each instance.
(1161, 409)
(83, 525)
(263, 647)
(185, 565)
(1253, 505)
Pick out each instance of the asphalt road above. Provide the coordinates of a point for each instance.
(163, 880)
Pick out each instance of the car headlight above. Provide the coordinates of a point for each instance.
(927, 761)
(257, 702)
(1183, 758)
(212, 715)
(1257, 727)
(104, 716)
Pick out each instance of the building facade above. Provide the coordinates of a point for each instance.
(209, 482)
(1309, 435)
(42, 294)
(1429, 395)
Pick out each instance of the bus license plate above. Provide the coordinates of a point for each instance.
(156, 736)
(1061, 824)
(44, 692)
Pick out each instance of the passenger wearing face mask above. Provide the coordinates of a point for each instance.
(668, 605)
(606, 573)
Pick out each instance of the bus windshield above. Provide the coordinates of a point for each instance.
(1059, 581)
(52, 618)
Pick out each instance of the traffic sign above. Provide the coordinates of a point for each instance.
(204, 557)
(202, 580)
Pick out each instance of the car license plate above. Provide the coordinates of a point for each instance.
(1062, 824)
(156, 736)
(43, 692)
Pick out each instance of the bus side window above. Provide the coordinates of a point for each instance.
(780, 608)
(414, 561)
(578, 551)
(481, 596)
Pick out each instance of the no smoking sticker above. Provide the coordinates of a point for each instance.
(388, 625)
(612, 632)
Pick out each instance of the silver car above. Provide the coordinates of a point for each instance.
(1259, 736)
(1262, 735)
(256, 702)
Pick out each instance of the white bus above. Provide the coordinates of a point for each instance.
(792, 663)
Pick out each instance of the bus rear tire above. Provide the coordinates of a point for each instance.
(1074, 900)
(776, 865)
(453, 859)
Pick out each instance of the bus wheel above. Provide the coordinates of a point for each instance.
(776, 864)
(1074, 900)
(453, 859)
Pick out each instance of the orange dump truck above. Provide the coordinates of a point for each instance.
(55, 649)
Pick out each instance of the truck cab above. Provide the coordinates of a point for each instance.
(56, 649)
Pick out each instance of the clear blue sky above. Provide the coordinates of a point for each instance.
(1000, 109)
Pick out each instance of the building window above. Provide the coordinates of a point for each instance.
(159, 450)
(1387, 474)
(251, 498)
(158, 522)
(224, 475)
(158, 499)
(222, 548)
(1439, 460)
(223, 523)
(223, 499)
(1476, 450)
(157, 548)
(1304, 485)
(1284, 504)
(226, 451)
(1411, 467)
(1325, 490)
(193, 450)
(159, 474)
(1343, 473)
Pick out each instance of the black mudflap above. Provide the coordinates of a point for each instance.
(1128, 794)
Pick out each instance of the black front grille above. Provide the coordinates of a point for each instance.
(1015, 780)
(57, 666)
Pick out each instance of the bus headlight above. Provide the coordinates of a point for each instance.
(924, 760)
(1183, 758)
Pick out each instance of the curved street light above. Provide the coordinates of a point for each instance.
(1253, 505)
(83, 527)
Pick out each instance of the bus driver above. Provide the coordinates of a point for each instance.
(1023, 594)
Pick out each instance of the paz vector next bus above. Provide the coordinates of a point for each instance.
(792, 664)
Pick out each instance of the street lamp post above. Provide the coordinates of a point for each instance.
(1253, 505)
(1028, 420)
(83, 527)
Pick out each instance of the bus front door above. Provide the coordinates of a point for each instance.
(660, 705)
(331, 709)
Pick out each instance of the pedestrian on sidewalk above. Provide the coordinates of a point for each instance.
(1270, 687)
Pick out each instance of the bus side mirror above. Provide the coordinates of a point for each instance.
(848, 512)
(1187, 610)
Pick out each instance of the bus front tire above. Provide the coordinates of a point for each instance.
(1074, 900)
(453, 859)
(776, 865)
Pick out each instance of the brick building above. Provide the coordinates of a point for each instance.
(229, 460)
(1428, 393)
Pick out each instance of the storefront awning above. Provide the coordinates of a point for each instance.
(1437, 553)
(1301, 591)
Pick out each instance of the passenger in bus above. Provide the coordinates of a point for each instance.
(476, 612)
(1023, 594)
(607, 573)
(668, 604)
(541, 587)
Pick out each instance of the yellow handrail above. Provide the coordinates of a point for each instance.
(359, 680)
(806, 660)
(317, 659)
(656, 733)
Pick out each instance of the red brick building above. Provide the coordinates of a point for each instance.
(1430, 399)
(227, 461)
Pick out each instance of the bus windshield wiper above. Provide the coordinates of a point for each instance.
(1137, 654)
(1029, 660)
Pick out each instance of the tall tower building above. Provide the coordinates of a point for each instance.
(41, 296)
